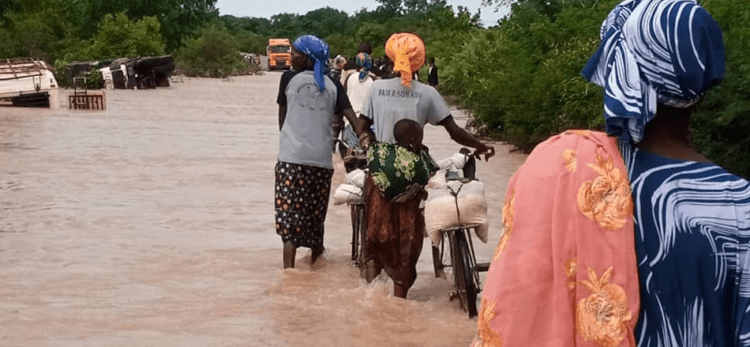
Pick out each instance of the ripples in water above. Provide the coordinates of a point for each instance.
(151, 224)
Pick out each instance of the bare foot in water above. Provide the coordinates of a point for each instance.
(400, 291)
(315, 255)
(290, 251)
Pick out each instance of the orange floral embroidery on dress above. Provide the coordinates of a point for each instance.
(487, 336)
(602, 317)
(571, 269)
(606, 199)
(508, 215)
(569, 156)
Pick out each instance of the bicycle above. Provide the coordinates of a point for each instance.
(358, 214)
(465, 267)
(354, 158)
(461, 250)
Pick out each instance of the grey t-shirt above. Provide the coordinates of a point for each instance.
(307, 134)
(389, 101)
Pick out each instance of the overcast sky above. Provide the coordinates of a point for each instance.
(268, 8)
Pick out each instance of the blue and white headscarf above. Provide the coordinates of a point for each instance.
(668, 52)
(317, 50)
(363, 60)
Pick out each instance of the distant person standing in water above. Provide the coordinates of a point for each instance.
(309, 102)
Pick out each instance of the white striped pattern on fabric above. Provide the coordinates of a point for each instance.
(654, 51)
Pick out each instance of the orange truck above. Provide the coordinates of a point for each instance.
(279, 54)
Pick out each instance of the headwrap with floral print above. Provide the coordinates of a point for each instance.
(408, 54)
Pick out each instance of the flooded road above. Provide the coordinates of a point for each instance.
(151, 224)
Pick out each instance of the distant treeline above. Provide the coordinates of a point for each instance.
(520, 78)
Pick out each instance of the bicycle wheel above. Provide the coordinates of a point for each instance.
(437, 256)
(355, 233)
(463, 272)
(362, 232)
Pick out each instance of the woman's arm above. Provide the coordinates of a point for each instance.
(361, 127)
(460, 135)
(369, 136)
(282, 116)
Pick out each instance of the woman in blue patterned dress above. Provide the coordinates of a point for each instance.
(692, 218)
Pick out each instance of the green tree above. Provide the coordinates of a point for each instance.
(324, 22)
(6, 8)
(342, 43)
(376, 34)
(213, 52)
(178, 18)
(119, 37)
(259, 26)
(35, 28)
(522, 82)
(390, 8)
(182, 18)
(721, 121)
(286, 25)
(250, 42)
(522, 79)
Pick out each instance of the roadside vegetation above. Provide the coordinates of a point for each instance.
(519, 78)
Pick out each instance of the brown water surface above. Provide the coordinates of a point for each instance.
(151, 224)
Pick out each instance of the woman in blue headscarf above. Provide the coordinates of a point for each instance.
(690, 218)
(358, 84)
(310, 103)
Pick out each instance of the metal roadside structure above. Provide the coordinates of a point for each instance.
(84, 99)
(27, 82)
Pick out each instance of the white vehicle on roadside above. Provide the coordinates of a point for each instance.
(26, 82)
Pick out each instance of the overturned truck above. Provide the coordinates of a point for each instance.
(141, 73)
(153, 72)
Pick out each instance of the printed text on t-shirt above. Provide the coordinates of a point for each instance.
(399, 93)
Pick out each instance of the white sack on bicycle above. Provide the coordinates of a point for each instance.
(348, 194)
(442, 208)
(356, 178)
(473, 208)
(437, 181)
(454, 163)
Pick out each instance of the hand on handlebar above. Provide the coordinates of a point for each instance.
(365, 140)
(488, 151)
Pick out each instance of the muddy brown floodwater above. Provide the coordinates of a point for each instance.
(151, 224)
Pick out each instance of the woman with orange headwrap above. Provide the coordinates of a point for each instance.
(395, 231)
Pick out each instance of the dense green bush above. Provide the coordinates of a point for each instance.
(522, 82)
(119, 37)
(33, 29)
(720, 127)
(179, 19)
(211, 53)
(251, 43)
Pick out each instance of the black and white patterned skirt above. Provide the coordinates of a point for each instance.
(301, 203)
